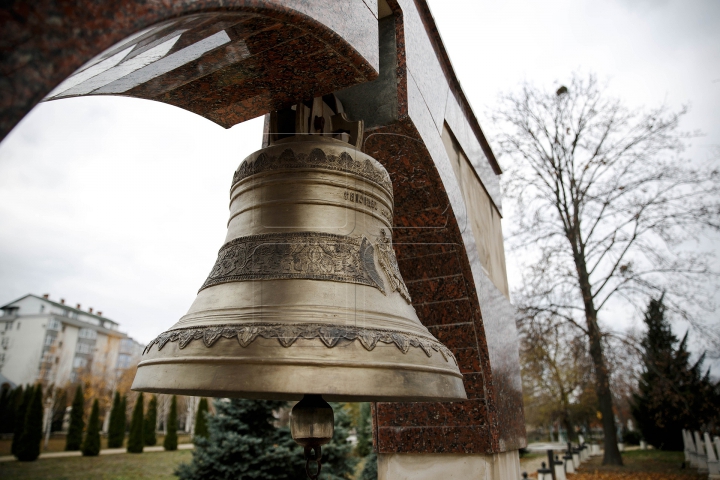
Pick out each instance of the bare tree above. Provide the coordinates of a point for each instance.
(606, 207)
(556, 372)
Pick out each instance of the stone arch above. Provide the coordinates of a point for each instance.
(46, 41)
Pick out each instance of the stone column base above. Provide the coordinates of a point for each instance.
(449, 466)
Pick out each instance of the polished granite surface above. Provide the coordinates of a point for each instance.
(438, 258)
(228, 61)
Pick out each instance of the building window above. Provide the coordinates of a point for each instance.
(79, 362)
(18, 326)
(5, 342)
(87, 333)
(123, 361)
(42, 308)
(54, 324)
(49, 339)
(126, 345)
(8, 326)
(2, 358)
(84, 348)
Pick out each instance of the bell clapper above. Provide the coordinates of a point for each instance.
(312, 425)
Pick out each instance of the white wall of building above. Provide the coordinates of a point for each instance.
(21, 347)
(43, 338)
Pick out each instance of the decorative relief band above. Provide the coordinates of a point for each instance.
(288, 159)
(286, 335)
(388, 262)
(302, 255)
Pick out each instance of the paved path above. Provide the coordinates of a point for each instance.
(107, 451)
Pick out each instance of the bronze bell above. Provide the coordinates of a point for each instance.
(305, 296)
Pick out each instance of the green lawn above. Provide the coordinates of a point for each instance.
(57, 443)
(657, 463)
(149, 465)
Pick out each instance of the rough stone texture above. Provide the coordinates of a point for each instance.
(298, 49)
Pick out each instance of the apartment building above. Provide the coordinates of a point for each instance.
(41, 339)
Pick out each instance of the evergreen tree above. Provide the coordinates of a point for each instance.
(151, 422)
(123, 417)
(201, 429)
(364, 431)
(370, 469)
(5, 399)
(243, 444)
(337, 462)
(7, 421)
(91, 445)
(28, 448)
(672, 393)
(135, 440)
(74, 436)
(24, 397)
(171, 438)
(116, 428)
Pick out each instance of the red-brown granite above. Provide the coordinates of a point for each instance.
(437, 289)
(441, 265)
(45, 41)
(468, 360)
(467, 439)
(445, 313)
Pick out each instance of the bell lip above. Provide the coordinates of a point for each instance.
(296, 397)
(395, 377)
(452, 389)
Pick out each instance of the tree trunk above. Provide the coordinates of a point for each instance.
(569, 427)
(602, 379)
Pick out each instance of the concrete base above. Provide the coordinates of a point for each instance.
(449, 466)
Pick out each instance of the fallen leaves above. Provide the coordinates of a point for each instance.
(597, 475)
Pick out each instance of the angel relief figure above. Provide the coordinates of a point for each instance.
(389, 264)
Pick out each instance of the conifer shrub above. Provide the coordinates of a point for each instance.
(24, 398)
(7, 420)
(75, 430)
(123, 417)
(150, 422)
(364, 431)
(243, 443)
(369, 471)
(135, 440)
(171, 438)
(5, 398)
(673, 393)
(28, 448)
(201, 429)
(116, 427)
(91, 445)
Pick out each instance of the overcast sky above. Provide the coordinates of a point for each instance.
(121, 204)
